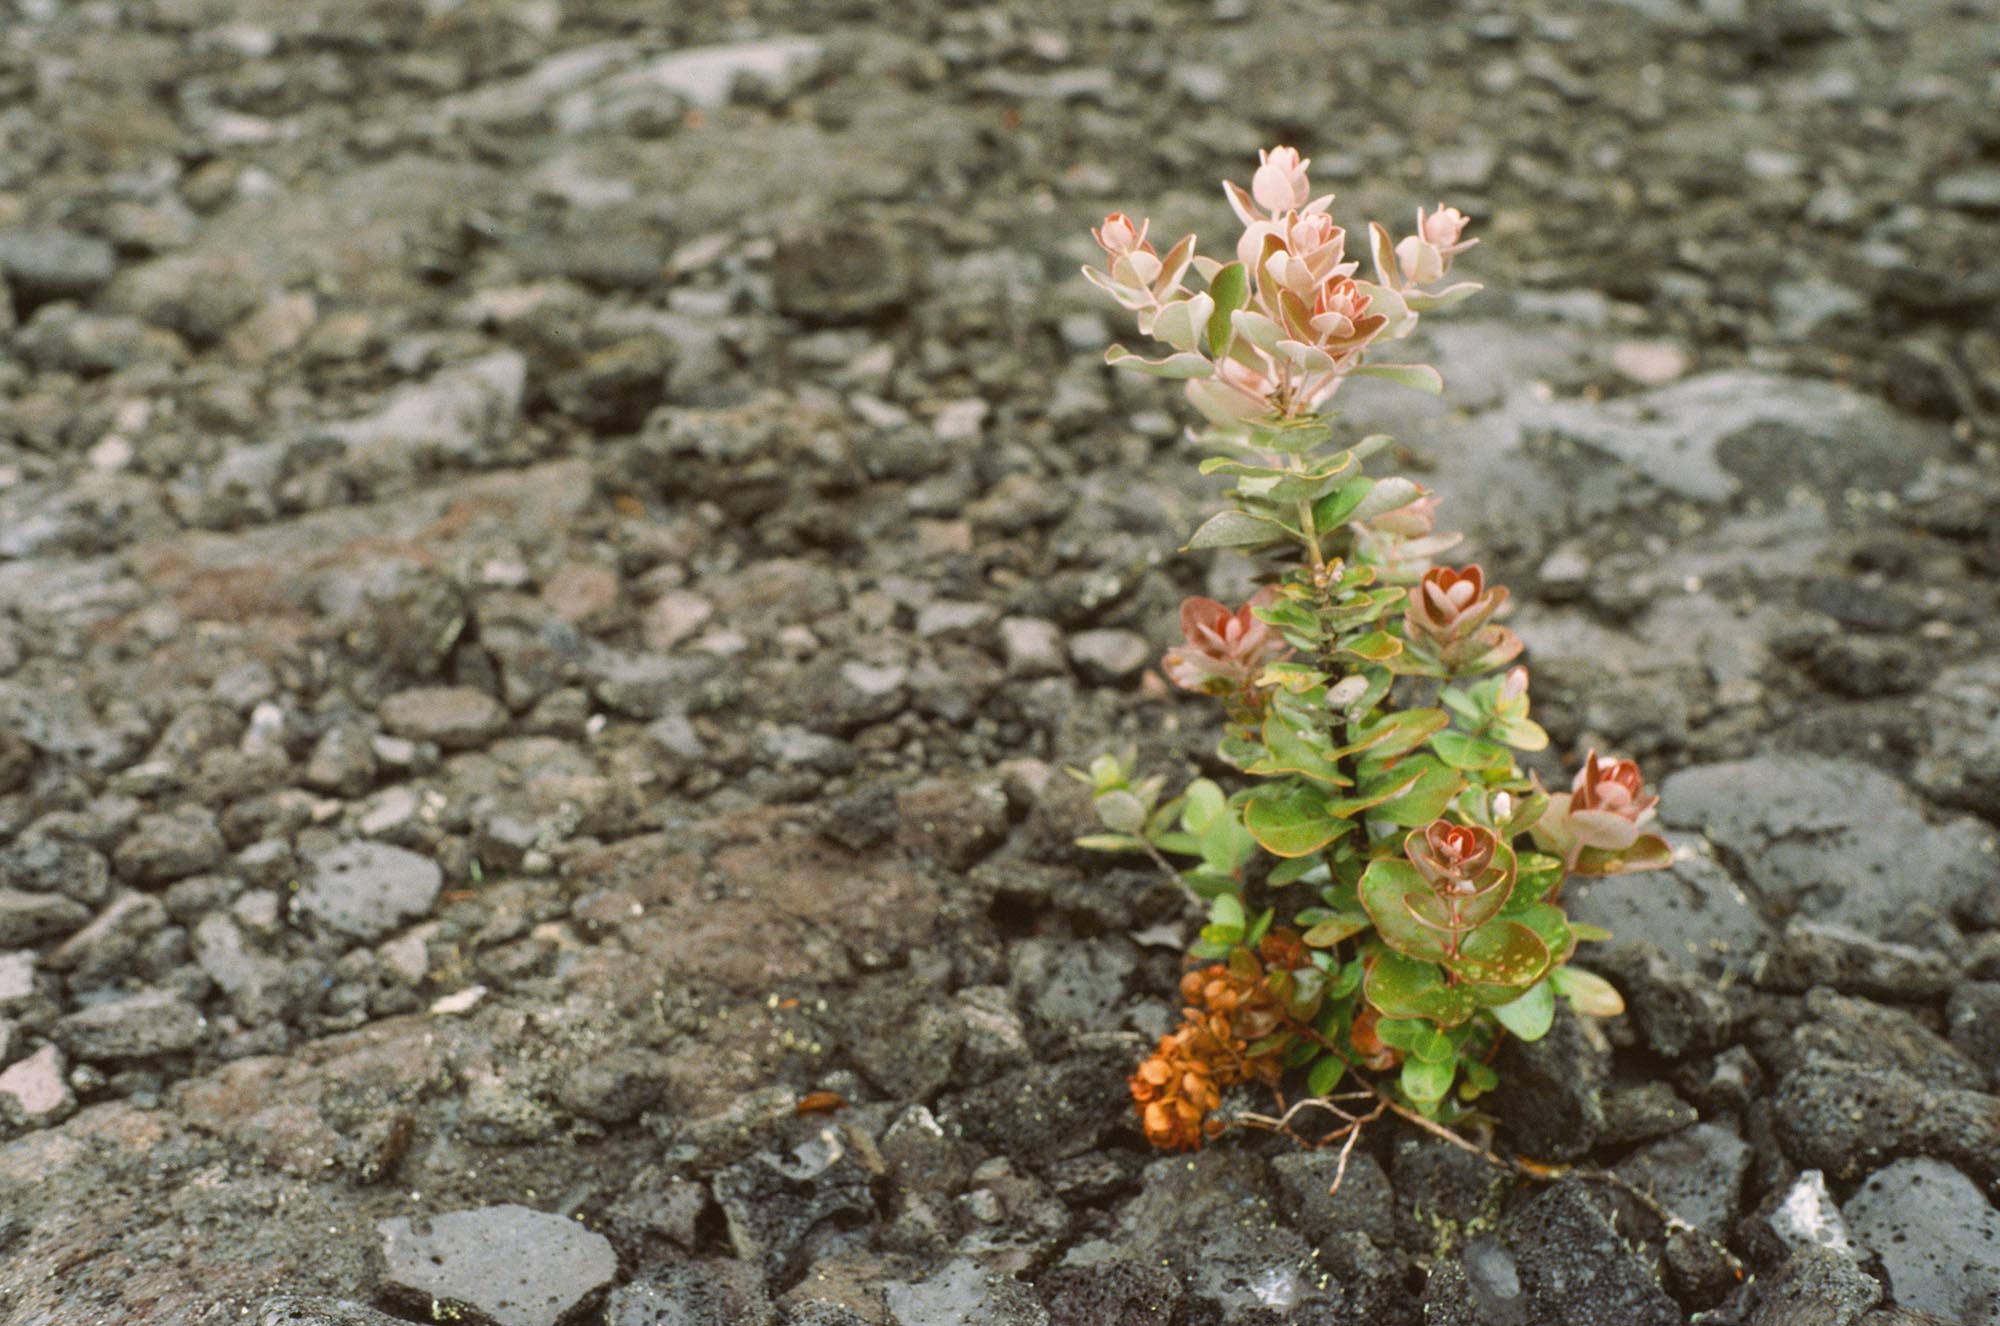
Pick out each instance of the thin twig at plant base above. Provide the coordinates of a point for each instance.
(1540, 1173)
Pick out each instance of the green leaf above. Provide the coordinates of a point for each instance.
(1420, 376)
(1469, 753)
(1227, 909)
(1401, 987)
(1549, 923)
(1650, 852)
(1423, 801)
(1335, 927)
(1395, 734)
(1110, 842)
(1334, 509)
(1208, 884)
(1259, 927)
(1427, 1083)
(1202, 804)
(1348, 980)
(1180, 366)
(1587, 992)
(1530, 1016)
(1237, 529)
(1538, 874)
(1292, 821)
(1294, 752)
(1230, 289)
(1406, 913)
(1589, 934)
(1292, 870)
(1326, 1075)
(1222, 937)
(1501, 953)
(1521, 734)
(1374, 647)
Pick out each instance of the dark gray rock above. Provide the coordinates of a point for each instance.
(849, 273)
(34, 918)
(1973, 1019)
(695, 1293)
(1834, 840)
(1847, 1119)
(1071, 985)
(1573, 1266)
(1550, 1097)
(904, 1044)
(455, 717)
(1643, 1113)
(41, 864)
(1960, 761)
(295, 1310)
(513, 1265)
(1214, 1218)
(961, 1293)
(1697, 1174)
(1054, 1109)
(1365, 1203)
(1676, 1009)
(111, 940)
(1809, 953)
(772, 1202)
(163, 848)
(1694, 912)
(1446, 1195)
(137, 1026)
(365, 890)
(1115, 1291)
(1874, 1036)
(1938, 1238)
(1814, 1287)
(44, 265)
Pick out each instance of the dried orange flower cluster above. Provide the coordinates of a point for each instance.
(1176, 1089)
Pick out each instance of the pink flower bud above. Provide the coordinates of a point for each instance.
(1604, 809)
(1118, 236)
(1280, 183)
(1225, 650)
(1443, 227)
(1514, 688)
(1451, 857)
(1447, 605)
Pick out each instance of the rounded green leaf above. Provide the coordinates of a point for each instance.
(1427, 1083)
(1292, 822)
(1400, 987)
(1530, 1016)
(1588, 993)
(1406, 913)
(1501, 953)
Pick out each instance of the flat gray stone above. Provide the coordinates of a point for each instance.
(1834, 840)
(1694, 912)
(365, 890)
(453, 716)
(515, 1265)
(136, 1027)
(1938, 1239)
(30, 918)
(964, 1294)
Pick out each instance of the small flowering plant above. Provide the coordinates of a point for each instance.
(1370, 703)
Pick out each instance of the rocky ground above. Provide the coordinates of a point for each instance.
(551, 550)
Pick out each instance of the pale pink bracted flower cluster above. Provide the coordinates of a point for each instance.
(1276, 332)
